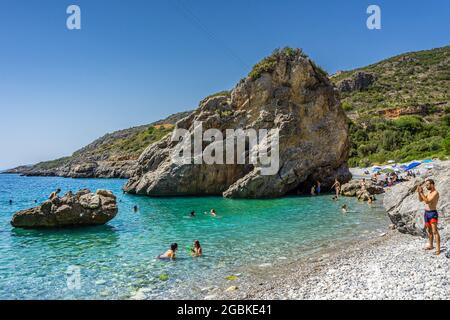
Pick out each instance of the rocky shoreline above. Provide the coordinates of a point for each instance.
(392, 266)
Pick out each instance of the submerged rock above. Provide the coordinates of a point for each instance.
(291, 94)
(404, 208)
(81, 209)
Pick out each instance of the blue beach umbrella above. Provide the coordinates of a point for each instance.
(412, 165)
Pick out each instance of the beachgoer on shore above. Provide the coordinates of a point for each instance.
(196, 249)
(54, 194)
(431, 215)
(171, 253)
(313, 190)
(337, 187)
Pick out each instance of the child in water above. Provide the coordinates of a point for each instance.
(196, 249)
(171, 253)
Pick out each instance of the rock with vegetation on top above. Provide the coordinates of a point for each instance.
(403, 206)
(285, 91)
(81, 209)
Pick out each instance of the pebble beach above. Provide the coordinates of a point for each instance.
(393, 266)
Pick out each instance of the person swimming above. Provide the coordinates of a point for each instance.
(192, 213)
(10, 201)
(135, 209)
(196, 250)
(171, 253)
(344, 208)
(213, 213)
(54, 194)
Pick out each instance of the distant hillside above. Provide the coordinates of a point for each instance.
(399, 107)
(109, 156)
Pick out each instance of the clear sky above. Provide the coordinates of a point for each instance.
(136, 61)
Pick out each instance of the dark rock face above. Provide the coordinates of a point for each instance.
(404, 208)
(295, 98)
(358, 82)
(81, 209)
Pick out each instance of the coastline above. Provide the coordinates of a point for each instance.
(392, 266)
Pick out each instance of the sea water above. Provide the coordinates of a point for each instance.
(117, 260)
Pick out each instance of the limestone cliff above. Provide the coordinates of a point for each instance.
(285, 91)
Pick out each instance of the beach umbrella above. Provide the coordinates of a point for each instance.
(412, 165)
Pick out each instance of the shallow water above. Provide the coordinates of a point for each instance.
(117, 259)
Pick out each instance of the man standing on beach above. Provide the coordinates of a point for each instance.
(431, 214)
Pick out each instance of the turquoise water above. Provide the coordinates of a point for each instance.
(117, 259)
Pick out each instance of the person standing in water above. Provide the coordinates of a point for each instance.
(318, 187)
(313, 190)
(431, 215)
(337, 187)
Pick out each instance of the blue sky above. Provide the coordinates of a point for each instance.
(136, 61)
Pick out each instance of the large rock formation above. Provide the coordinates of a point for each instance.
(286, 91)
(354, 189)
(81, 209)
(404, 208)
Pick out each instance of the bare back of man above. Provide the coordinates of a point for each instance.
(431, 215)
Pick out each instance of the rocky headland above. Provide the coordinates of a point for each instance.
(83, 208)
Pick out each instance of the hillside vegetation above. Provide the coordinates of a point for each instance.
(405, 113)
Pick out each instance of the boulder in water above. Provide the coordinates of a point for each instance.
(81, 209)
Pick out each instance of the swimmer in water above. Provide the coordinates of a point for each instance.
(10, 201)
(135, 209)
(344, 208)
(192, 214)
(196, 249)
(213, 213)
(171, 253)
